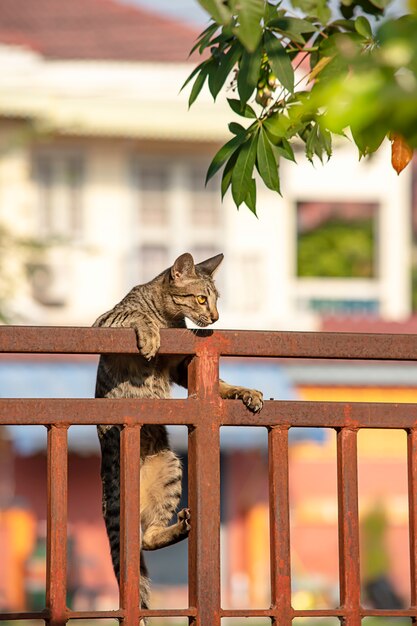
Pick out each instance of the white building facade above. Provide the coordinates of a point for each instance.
(103, 162)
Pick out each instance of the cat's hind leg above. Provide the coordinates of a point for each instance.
(144, 589)
(160, 494)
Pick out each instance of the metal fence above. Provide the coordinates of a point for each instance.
(204, 413)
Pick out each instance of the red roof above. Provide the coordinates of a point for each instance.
(94, 29)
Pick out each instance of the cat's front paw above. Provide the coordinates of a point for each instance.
(148, 342)
(184, 521)
(253, 399)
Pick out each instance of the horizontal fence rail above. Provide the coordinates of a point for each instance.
(204, 412)
(316, 345)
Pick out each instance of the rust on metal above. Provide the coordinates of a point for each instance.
(204, 491)
(279, 524)
(326, 345)
(56, 560)
(130, 524)
(204, 413)
(46, 411)
(412, 504)
(347, 485)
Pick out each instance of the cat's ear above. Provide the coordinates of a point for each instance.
(183, 267)
(210, 265)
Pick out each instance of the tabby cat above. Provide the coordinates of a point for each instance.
(184, 290)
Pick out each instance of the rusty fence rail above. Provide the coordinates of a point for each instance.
(204, 413)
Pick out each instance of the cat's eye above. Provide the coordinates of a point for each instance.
(201, 299)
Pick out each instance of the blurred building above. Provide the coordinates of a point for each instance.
(103, 164)
(101, 159)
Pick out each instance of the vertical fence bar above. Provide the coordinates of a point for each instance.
(347, 482)
(279, 522)
(56, 559)
(412, 504)
(204, 492)
(130, 525)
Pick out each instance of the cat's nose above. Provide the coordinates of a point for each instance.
(214, 316)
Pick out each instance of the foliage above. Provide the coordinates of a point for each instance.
(346, 250)
(414, 288)
(303, 75)
(15, 254)
(375, 554)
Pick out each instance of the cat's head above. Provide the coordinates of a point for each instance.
(191, 291)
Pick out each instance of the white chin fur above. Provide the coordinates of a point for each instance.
(193, 325)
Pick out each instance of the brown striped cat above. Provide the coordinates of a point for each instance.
(184, 290)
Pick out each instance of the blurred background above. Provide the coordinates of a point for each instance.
(102, 172)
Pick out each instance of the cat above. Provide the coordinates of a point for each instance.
(185, 290)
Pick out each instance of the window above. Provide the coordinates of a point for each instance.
(348, 306)
(153, 260)
(249, 284)
(154, 184)
(59, 177)
(337, 239)
(205, 201)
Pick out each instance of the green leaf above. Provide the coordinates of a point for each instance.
(217, 9)
(280, 61)
(285, 150)
(272, 12)
(198, 85)
(194, 72)
(236, 128)
(371, 7)
(204, 38)
(247, 77)
(323, 12)
(249, 31)
(245, 111)
(380, 4)
(314, 8)
(363, 27)
(368, 139)
(293, 27)
(267, 165)
(250, 199)
(311, 143)
(346, 24)
(277, 125)
(223, 154)
(242, 173)
(326, 140)
(227, 173)
(218, 77)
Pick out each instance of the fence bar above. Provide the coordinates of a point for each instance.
(323, 414)
(204, 492)
(116, 614)
(204, 546)
(204, 413)
(25, 615)
(83, 615)
(56, 556)
(47, 411)
(272, 613)
(412, 503)
(412, 612)
(130, 525)
(279, 523)
(347, 481)
(321, 345)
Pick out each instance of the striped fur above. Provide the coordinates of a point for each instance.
(183, 291)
